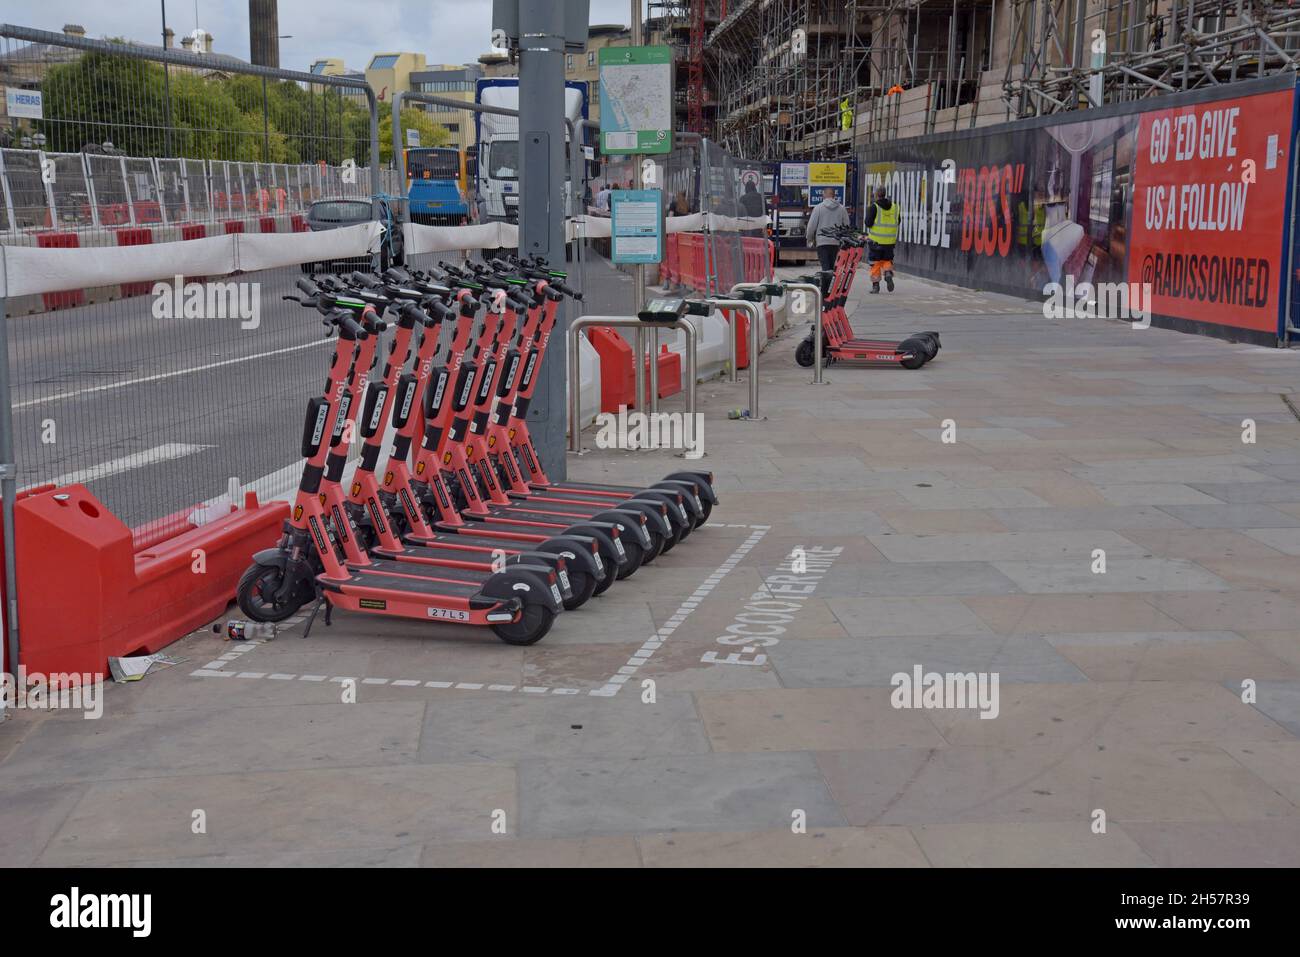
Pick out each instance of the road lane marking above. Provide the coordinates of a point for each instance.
(136, 460)
(109, 386)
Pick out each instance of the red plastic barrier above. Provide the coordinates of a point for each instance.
(771, 320)
(139, 236)
(617, 379)
(267, 224)
(127, 602)
(72, 297)
(148, 211)
(725, 270)
(670, 374)
(299, 223)
(671, 269)
(758, 258)
(116, 214)
(691, 259)
(742, 335)
(234, 226)
(747, 270)
(4, 604)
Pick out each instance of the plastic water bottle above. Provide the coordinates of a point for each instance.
(237, 630)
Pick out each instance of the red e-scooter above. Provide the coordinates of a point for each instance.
(667, 518)
(574, 558)
(519, 603)
(509, 418)
(429, 513)
(682, 494)
(464, 408)
(838, 341)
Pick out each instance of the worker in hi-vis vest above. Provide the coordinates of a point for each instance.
(882, 234)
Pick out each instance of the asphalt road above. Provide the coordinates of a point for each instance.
(155, 415)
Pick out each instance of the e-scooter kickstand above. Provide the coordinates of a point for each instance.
(320, 598)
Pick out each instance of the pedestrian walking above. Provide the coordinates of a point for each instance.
(882, 234)
(827, 216)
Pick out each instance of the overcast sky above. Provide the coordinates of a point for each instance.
(445, 31)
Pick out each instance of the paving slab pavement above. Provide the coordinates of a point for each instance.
(1097, 538)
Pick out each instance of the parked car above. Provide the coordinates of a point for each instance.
(326, 214)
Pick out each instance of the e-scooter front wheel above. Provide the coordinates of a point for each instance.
(257, 591)
(804, 354)
(533, 624)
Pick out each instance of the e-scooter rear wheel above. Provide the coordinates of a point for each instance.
(533, 624)
(919, 350)
(584, 586)
(607, 580)
(635, 555)
(256, 591)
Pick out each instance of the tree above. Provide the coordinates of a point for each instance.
(104, 96)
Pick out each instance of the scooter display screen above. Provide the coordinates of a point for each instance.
(662, 310)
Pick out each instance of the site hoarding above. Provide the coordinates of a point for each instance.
(1190, 193)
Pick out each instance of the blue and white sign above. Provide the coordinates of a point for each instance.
(24, 104)
(637, 225)
(817, 193)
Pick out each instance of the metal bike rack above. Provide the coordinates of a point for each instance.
(638, 358)
(755, 317)
(816, 293)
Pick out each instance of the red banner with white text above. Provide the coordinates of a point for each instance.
(1209, 209)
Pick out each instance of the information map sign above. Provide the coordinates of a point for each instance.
(636, 100)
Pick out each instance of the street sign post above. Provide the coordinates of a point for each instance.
(542, 31)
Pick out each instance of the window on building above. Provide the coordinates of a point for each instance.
(384, 62)
(591, 58)
(444, 86)
(568, 63)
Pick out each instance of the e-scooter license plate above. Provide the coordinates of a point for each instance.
(448, 614)
(555, 592)
(564, 581)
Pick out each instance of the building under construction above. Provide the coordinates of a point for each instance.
(793, 79)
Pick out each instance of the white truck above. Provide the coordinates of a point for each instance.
(499, 157)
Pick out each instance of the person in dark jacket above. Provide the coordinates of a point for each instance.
(751, 201)
(882, 233)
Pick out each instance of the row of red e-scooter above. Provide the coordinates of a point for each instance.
(838, 341)
(455, 520)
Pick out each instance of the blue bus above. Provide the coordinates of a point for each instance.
(435, 185)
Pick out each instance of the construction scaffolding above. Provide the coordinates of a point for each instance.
(1071, 54)
(801, 79)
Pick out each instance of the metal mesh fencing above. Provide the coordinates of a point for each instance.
(732, 189)
(136, 141)
(156, 394)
